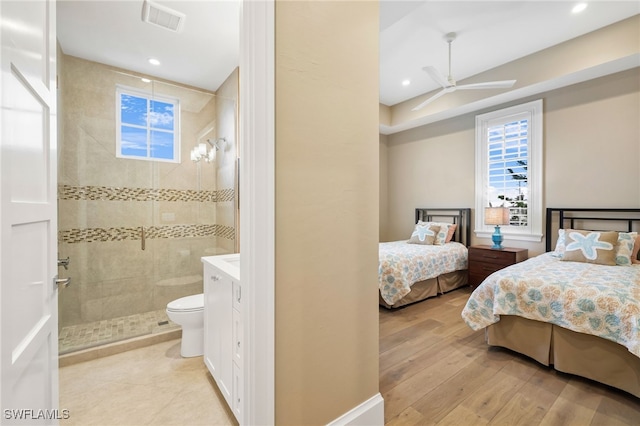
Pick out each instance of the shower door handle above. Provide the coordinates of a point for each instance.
(61, 282)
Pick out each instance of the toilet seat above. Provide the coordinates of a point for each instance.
(192, 303)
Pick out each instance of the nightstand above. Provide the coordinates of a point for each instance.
(484, 261)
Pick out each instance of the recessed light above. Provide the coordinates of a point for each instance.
(154, 61)
(406, 82)
(145, 80)
(579, 7)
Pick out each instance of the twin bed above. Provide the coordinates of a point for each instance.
(576, 307)
(413, 270)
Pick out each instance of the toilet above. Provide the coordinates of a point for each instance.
(188, 312)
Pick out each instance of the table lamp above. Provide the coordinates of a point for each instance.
(496, 216)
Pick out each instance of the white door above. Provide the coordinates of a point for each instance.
(28, 228)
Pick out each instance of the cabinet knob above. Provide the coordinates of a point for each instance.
(215, 277)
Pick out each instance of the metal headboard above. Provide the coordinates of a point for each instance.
(623, 220)
(460, 216)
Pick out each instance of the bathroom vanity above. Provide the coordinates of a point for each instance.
(223, 326)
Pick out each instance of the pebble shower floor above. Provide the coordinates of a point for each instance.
(82, 336)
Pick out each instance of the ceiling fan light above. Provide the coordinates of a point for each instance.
(449, 84)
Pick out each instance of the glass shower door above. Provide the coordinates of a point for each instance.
(133, 229)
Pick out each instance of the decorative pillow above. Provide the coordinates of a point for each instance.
(560, 244)
(635, 256)
(424, 233)
(452, 230)
(624, 250)
(590, 246)
(445, 229)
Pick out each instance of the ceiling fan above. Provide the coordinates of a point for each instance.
(449, 84)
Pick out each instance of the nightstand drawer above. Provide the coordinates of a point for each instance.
(484, 261)
(484, 269)
(476, 279)
(497, 257)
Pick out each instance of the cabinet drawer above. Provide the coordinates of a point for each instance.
(238, 404)
(476, 279)
(484, 261)
(237, 337)
(237, 295)
(497, 257)
(483, 268)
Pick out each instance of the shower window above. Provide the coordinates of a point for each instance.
(147, 126)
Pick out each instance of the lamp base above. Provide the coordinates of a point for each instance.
(496, 237)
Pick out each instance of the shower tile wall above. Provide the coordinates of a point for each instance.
(226, 105)
(105, 201)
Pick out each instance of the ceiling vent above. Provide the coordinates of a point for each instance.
(162, 16)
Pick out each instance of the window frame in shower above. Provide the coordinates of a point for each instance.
(146, 126)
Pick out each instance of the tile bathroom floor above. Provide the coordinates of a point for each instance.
(152, 385)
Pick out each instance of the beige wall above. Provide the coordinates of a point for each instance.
(104, 201)
(591, 155)
(326, 186)
(384, 190)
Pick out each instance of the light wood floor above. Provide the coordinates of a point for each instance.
(434, 370)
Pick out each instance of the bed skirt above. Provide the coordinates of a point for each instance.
(430, 288)
(569, 352)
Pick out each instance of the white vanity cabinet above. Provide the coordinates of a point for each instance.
(237, 336)
(223, 327)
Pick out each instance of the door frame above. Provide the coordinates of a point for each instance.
(257, 222)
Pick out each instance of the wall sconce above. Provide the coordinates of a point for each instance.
(203, 152)
(496, 216)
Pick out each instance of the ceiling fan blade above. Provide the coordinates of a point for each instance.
(436, 76)
(504, 84)
(431, 99)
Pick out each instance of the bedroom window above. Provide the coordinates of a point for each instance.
(147, 126)
(509, 170)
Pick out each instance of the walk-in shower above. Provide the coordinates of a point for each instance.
(134, 230)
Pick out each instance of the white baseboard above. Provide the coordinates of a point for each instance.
(369, 413)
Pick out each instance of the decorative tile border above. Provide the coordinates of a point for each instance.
(109, 193)
(90, 235)
(225, 195)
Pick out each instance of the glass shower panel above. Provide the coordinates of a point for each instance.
(134, 229)
(184, 211)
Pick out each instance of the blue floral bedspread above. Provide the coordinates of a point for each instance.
(600, 300)
(401, 265)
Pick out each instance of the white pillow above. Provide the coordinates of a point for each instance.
(560, 244)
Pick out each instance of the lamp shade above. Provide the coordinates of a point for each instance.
(496, 216)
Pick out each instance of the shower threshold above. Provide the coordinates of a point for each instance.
(84, 336)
